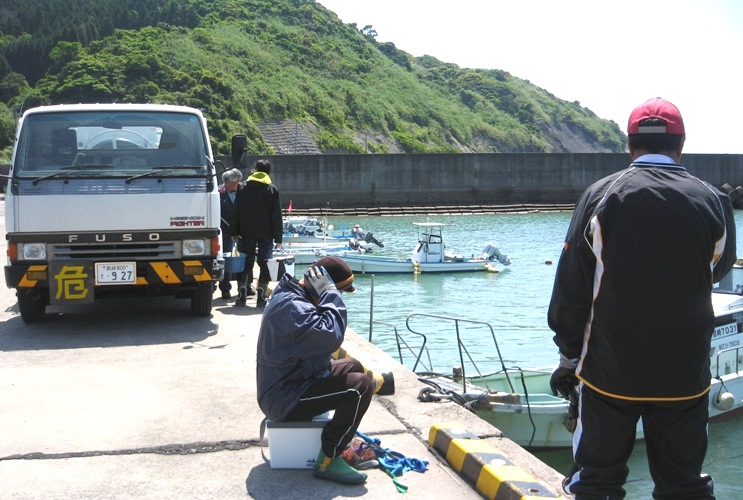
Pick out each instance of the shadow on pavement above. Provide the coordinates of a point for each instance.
(108, 323)
(264, 483)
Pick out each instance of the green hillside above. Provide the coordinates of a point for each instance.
(250, 63)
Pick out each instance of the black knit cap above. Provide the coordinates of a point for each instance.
(339, 271)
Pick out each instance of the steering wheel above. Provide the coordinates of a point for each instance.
(116, 137)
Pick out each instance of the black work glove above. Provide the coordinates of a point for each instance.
(563, 380)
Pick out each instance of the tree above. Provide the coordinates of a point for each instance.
(12, 85)
(369, 32)
(7, 126)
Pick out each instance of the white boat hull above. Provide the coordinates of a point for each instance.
(302, 241)
(534, 418)
(548, 412)
(311, 255)
(366, 264)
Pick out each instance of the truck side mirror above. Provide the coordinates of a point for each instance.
(239, 150)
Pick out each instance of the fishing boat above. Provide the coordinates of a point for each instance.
(301, 225)
(309, 253)
(520, 403)
(307, 231)
(429, 256)
(306, 248)
(304, 232)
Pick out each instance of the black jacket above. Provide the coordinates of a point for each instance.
(257, 213)
(632, 292)
(227, 210)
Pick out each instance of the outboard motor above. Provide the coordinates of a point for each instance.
(369, 238)
(359, 246)
(492, 253)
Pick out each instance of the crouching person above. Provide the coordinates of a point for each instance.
(303, 324)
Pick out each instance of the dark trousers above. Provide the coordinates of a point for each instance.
(259, 250)
(227, 243)
(348, 391)
(675, 438)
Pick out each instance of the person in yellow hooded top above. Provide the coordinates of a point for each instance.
(257, 225)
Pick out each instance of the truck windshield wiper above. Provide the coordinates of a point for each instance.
(159, 170)
(66, 170)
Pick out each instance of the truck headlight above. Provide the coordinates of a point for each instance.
(194, 247)
(33, 251)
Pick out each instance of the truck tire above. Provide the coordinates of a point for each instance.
(31, 304)
(201, 300)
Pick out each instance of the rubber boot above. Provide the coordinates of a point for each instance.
(261, 294)
(336, 469)
(241, 296)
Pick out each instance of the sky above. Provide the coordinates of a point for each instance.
(610, 56)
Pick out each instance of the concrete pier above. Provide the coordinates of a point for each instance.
(136, 398)
(144, 409)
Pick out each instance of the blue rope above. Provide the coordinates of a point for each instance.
(393, 461)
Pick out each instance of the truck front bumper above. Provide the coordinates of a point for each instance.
(74, 281)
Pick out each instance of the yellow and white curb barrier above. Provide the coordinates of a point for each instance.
(484, 466)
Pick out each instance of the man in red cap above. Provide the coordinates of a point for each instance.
(303, 324)
(632, 314)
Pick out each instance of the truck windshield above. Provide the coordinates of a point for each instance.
(121, 143)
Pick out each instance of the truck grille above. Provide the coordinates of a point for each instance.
(117, 251)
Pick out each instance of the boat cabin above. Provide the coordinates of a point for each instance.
(430, 246)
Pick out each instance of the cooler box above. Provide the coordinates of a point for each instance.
(279, 264)
(295, 445)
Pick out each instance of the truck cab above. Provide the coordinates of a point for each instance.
(108, 200)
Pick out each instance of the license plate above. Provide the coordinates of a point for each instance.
(115, 273)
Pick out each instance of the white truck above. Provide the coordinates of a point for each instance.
(109, 200)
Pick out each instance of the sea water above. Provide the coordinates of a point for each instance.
(513, 302)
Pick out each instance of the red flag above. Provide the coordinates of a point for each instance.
(290, 207)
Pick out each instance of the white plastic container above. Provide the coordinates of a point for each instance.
(279, 264)
(295, 445)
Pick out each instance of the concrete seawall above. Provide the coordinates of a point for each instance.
(404, 180)
(439, 180)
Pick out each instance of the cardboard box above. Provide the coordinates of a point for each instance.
(295, 445)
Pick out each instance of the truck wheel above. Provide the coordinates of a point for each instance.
(201, 301)
(31, 304)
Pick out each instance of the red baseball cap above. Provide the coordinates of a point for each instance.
(656, 116)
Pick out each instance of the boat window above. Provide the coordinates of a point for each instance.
(732, 282)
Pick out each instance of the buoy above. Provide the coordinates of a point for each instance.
(548, 262)
(416, 267)
(724, 401)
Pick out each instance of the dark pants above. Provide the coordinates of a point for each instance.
(348, 391)
(675, 438)
(259, 250)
